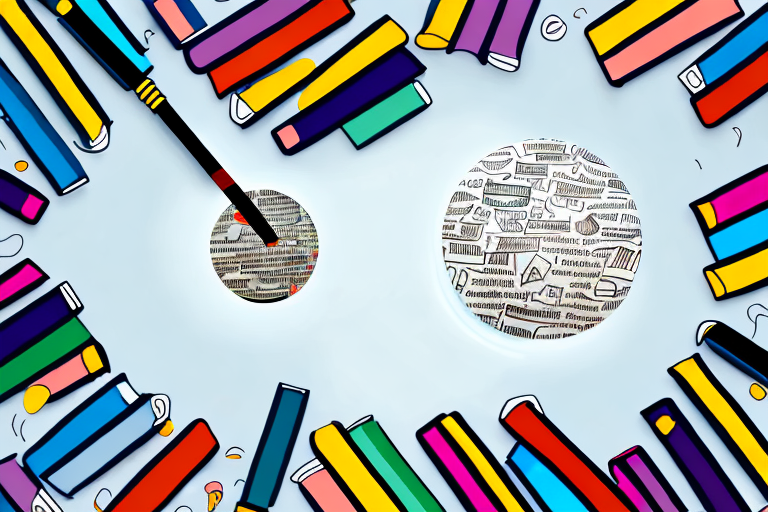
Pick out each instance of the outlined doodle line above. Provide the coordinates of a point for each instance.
(754, 313)
(232, 453)
(726, 417)
(162, 478)
(577, 10)
(665, 29)
(553, 28)
(738, 134)
(708, 480)
(524, 419)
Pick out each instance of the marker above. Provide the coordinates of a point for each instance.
(731, 238)
(112, 422)
(740, 351)
(19, 280)
(380, 39)
(738, 274)
(54, 70)
(732, 201)
(71, 375)
(443, 16)
(169, 471)
(387, 115)
(373, 442)
(523, 418)
(21, 200)
(637, 475)
(258, 99)
(479, 25)
(351, 470)
(305, 28)
(635, 36)
(40, 140)
(37, 320)
(278, 438)
(546, 489)
(239, 31)
(34, 361)
(178, 19)
(319, 489)
(344, 104)
(469, 468)
(21, 490)
(741, 43)
(708, 480)
(506, 49)
(726, 417)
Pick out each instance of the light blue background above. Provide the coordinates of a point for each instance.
(378, 329)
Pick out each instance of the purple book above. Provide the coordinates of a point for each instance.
(476, 27)
(508, 41)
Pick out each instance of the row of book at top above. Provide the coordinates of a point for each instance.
(46, 351)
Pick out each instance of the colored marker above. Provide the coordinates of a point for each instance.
(37, 320)
(95, 430)
(523, 418)
(351, 470)
(727, 418)
(21, 200)
(708, 480)
(53, 68)
(740, 351)
(71, 375)
(304, 29)
(506, 49)
(373, 442)
(21, 490)
(278, 438)
(443, 16)
(344, 104)
(469, 468)
(546, 489)
(736, 47)
(732, 238)
(362, 53)
(169, 471)
(387, 115)
(24, 367)
(44, 145)
(255, 101)
(178, 19)
(477, 28)
(732, 201)
(641, 480)
(19, 280)
(319, 489)
(239, 31)
(738, 274)
(636, 35)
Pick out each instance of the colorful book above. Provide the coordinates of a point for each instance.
(708, 480)
(178, 19)
(641, 480)
(19, 280)
(319, 489)
(21, 491)
(636, 35)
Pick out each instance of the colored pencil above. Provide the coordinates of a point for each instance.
(641, 480)
(737, 349)
(19, 280)
(44, 145)
(387, 115)
(550, 494)
(169, 471)
(708, 480)
(20, 200)
(38, 319)
(345, 103)
(636, 35)
(278, 438)
(522, 417)
(57, 74)
(319, 489)
(308, 25)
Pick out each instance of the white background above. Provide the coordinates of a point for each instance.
(377, 329)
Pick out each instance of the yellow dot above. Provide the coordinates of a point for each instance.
(665, 424)
(21, 166)
(757, 391)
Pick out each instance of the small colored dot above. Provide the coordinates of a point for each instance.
(21, 166)
(757, 391)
